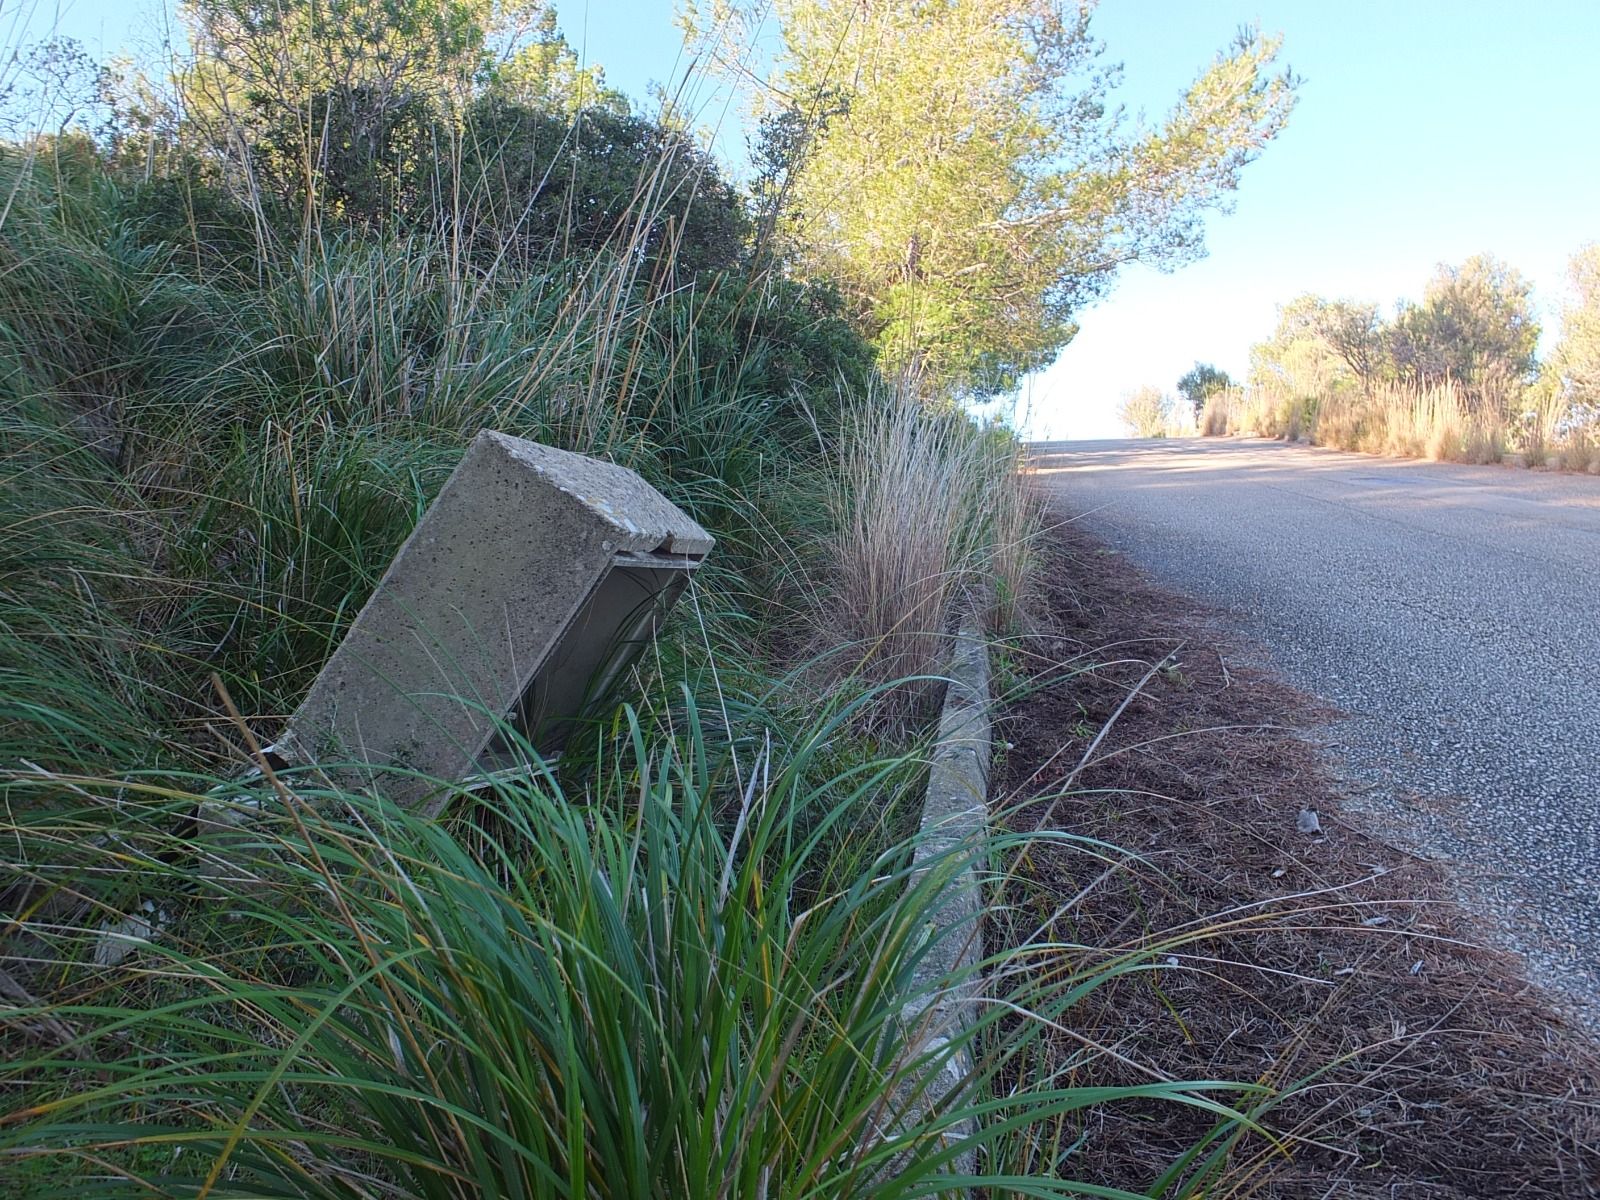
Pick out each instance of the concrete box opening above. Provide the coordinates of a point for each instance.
(620, 618)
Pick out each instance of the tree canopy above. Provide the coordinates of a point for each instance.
(1575, 363)
(1200, 382)
(1475, 325)
(964, 175)
(335, 97)
(1352, 331)
(1297, 361)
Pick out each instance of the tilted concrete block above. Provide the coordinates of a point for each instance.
(523, 593)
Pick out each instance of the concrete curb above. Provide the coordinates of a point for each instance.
(955, 811)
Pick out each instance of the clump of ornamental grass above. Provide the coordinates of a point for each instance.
(927, 508)
(1580, 444)
(1538, 427)
(1554, 431)
(1347, 420)
(682, 970)
(1435, 422)
(1264, 414)
(1015, 507)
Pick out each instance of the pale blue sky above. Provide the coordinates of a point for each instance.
(1427, 131)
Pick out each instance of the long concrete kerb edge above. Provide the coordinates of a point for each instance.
(955, 812)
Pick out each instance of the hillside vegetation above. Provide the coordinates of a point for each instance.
(253, 309)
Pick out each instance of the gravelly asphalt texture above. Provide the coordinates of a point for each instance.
(1453, 612)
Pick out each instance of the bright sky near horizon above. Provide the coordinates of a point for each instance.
(1427, 131)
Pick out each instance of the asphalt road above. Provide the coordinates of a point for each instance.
(1453, 612)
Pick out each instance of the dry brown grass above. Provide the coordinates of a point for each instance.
(1146, 412)
(1558, 435)
(1408, 422)
(1223, 413)
(1014, 510)
(1580, 448)
(1436, 422)
(928, 507)
(1428, 1066)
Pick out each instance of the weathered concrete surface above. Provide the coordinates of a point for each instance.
(480, 596)
(955, 813)
(956, 808)
(1452, 611)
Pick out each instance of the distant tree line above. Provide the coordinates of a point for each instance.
(1474, 327)
(1466, 352)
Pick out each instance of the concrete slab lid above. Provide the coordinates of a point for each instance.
(639, 513)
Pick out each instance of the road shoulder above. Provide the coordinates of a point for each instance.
(1283, 949)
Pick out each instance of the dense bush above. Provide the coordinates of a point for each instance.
(1452, 376)
(542, 188)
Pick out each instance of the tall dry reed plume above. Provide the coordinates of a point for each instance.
(1222, 413)
(926, 503)
(1434, 422)
(1015, 505)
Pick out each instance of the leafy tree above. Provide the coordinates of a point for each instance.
(143, 121)
(1575, 363)
(1202, 381)
(1352, 331)
(257, 64)
(1297, 363)
(545, 73)
(48, 87)
(972, 187)
(782, 144)
(1475, 326)
(1146, 412)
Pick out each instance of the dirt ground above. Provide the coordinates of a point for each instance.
(1427, 1067)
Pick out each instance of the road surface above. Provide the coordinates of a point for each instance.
(1452, 611)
